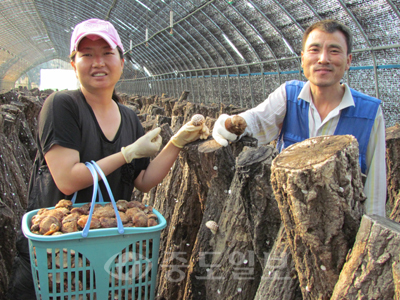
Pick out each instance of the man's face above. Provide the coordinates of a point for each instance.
(324, 58)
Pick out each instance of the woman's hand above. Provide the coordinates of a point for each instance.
(189, 133)
(146, 146)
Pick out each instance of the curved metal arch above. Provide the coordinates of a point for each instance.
(184, 30)
(394, 7)
(261, 65)
(256, 31)
(177, 32)
(211, 45)
(205, 62)
(156, 68)
(215, 64)
(129, 54)
(148, 56)
(273, 25)
(160, 55)
(141, 72)
(215, 38)
(238, 31)
(159, 50)
(366, 40)
(216, 26)
(17, 56)
(276, 29)
(132, 16)
(144, 55)
(176, 23)
(131, 68)
(163, 43)
(9, 64)
(37, 63)
(312, 9)
(289, 15)
(298, 26)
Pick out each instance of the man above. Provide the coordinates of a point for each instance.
(322, 106)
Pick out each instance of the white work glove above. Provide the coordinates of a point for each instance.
(145, 146)
(189, 133)
(220, 134)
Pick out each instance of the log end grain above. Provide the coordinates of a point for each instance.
(313, 151)
(393, 132)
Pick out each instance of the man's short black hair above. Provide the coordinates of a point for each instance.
(330, 26)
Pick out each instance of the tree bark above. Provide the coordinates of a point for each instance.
(318, 186)
(195, 191)
(395, 214)
(393, 171)
(279, 280)
(396, 278)
(371, 270)
(222, 265)
(183, 96)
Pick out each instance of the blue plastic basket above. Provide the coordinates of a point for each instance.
(106, 264)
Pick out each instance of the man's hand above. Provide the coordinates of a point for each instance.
(220, 134)
(146, 146)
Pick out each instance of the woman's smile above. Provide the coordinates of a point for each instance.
(96, 65)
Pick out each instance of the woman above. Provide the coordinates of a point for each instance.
(89, 124)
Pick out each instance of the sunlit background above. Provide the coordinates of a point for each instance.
(55, 74)
(57, 79)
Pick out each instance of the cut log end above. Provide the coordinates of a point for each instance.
(313, 151)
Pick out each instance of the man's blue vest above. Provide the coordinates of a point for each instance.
(355, 120)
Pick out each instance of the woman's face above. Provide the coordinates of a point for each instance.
(96, 65)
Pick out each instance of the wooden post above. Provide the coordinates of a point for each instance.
(319, 190)
(183, 96)
(279, 280)
(393, 171)
(371, 270)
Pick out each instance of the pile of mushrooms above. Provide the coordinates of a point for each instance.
(65, 219)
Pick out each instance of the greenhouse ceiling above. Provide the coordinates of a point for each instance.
(172, 36)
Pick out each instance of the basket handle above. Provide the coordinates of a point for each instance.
(101, 200)
(110, 194)
(95, 188)
(93, 167)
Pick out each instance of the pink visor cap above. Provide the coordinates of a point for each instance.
(95, 29)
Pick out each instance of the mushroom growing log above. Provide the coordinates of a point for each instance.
(317, 184)
(279, 280)
(393, 172)
(372, 268)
